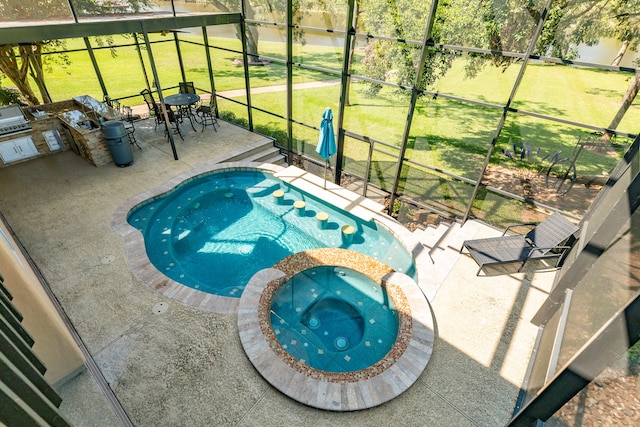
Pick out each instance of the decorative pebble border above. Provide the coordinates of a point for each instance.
(348, 391)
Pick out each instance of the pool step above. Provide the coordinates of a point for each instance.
(430, 236)
(260, 151)
(443, 243)
(268, 155)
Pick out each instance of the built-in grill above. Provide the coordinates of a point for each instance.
(12, 120)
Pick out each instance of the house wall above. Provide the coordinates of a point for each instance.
(54, 345)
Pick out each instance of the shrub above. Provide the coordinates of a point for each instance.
(10, 96)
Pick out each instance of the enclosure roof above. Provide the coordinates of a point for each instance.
(28, 32)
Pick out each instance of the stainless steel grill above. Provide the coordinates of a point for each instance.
(12, 120)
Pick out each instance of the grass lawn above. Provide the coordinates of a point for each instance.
(123, 76)
(446, 134)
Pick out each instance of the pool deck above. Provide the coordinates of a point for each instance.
(173, 364)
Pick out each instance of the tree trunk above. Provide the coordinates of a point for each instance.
(627, 100)
(252, 44)
(621, 52)
(252, 31)
(33, 53)
(630, 94)
(17, 72)
(252, 36)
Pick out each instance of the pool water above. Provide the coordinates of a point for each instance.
(334, 319)
(215, 231)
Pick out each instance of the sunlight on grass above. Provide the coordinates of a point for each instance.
(446, 135)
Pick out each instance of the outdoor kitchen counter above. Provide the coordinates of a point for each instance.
(81, 125)
(46, 133)
(57, 127)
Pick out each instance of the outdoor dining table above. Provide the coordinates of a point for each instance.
(183, 101)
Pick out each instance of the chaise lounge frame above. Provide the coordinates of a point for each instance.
(545, 241)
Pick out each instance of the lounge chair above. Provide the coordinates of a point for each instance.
(545, 241)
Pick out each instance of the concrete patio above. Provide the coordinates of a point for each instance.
(171, 365)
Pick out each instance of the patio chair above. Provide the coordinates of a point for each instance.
(128, 119)
(186, 87)
(545, 241)
(152, 105)
(207, 114)
(148, 97)
(174, 120)
(188, 111)
(155, 109)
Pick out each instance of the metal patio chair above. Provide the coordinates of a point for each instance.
(153, 107)
(545, 241)
(206, 113)
(174, 120)
(186, 87)
(128, 119)
(188, 111)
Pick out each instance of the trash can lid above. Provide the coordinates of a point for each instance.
(112, 123)
(113, 129)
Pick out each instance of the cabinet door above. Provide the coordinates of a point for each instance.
(17, 149)
(9, 152)
(26, 147)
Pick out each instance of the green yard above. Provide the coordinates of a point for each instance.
(447, 134)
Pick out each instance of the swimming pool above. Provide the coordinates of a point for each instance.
(214, 231)
(348, 390)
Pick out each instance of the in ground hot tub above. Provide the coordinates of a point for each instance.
(336, 329)
(334, 319)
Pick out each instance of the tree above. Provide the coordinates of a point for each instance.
(24, 63)
(19, 63)
(624, 26)
(627, 29)
(252, 32)
(571, 23)
(33, 10)
(507, 25)
(498, 25)
(262, 10)
(627, 100)
(390, 60)
(587, 22)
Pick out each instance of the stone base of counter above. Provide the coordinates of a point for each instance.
(90, 143)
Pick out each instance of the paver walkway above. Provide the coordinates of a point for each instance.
(279, 88)
(142, 110)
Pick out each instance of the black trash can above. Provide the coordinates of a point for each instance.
(115, 134)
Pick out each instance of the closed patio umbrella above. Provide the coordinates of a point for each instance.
(327, 140)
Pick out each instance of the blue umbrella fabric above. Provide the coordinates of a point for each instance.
(327, 140)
